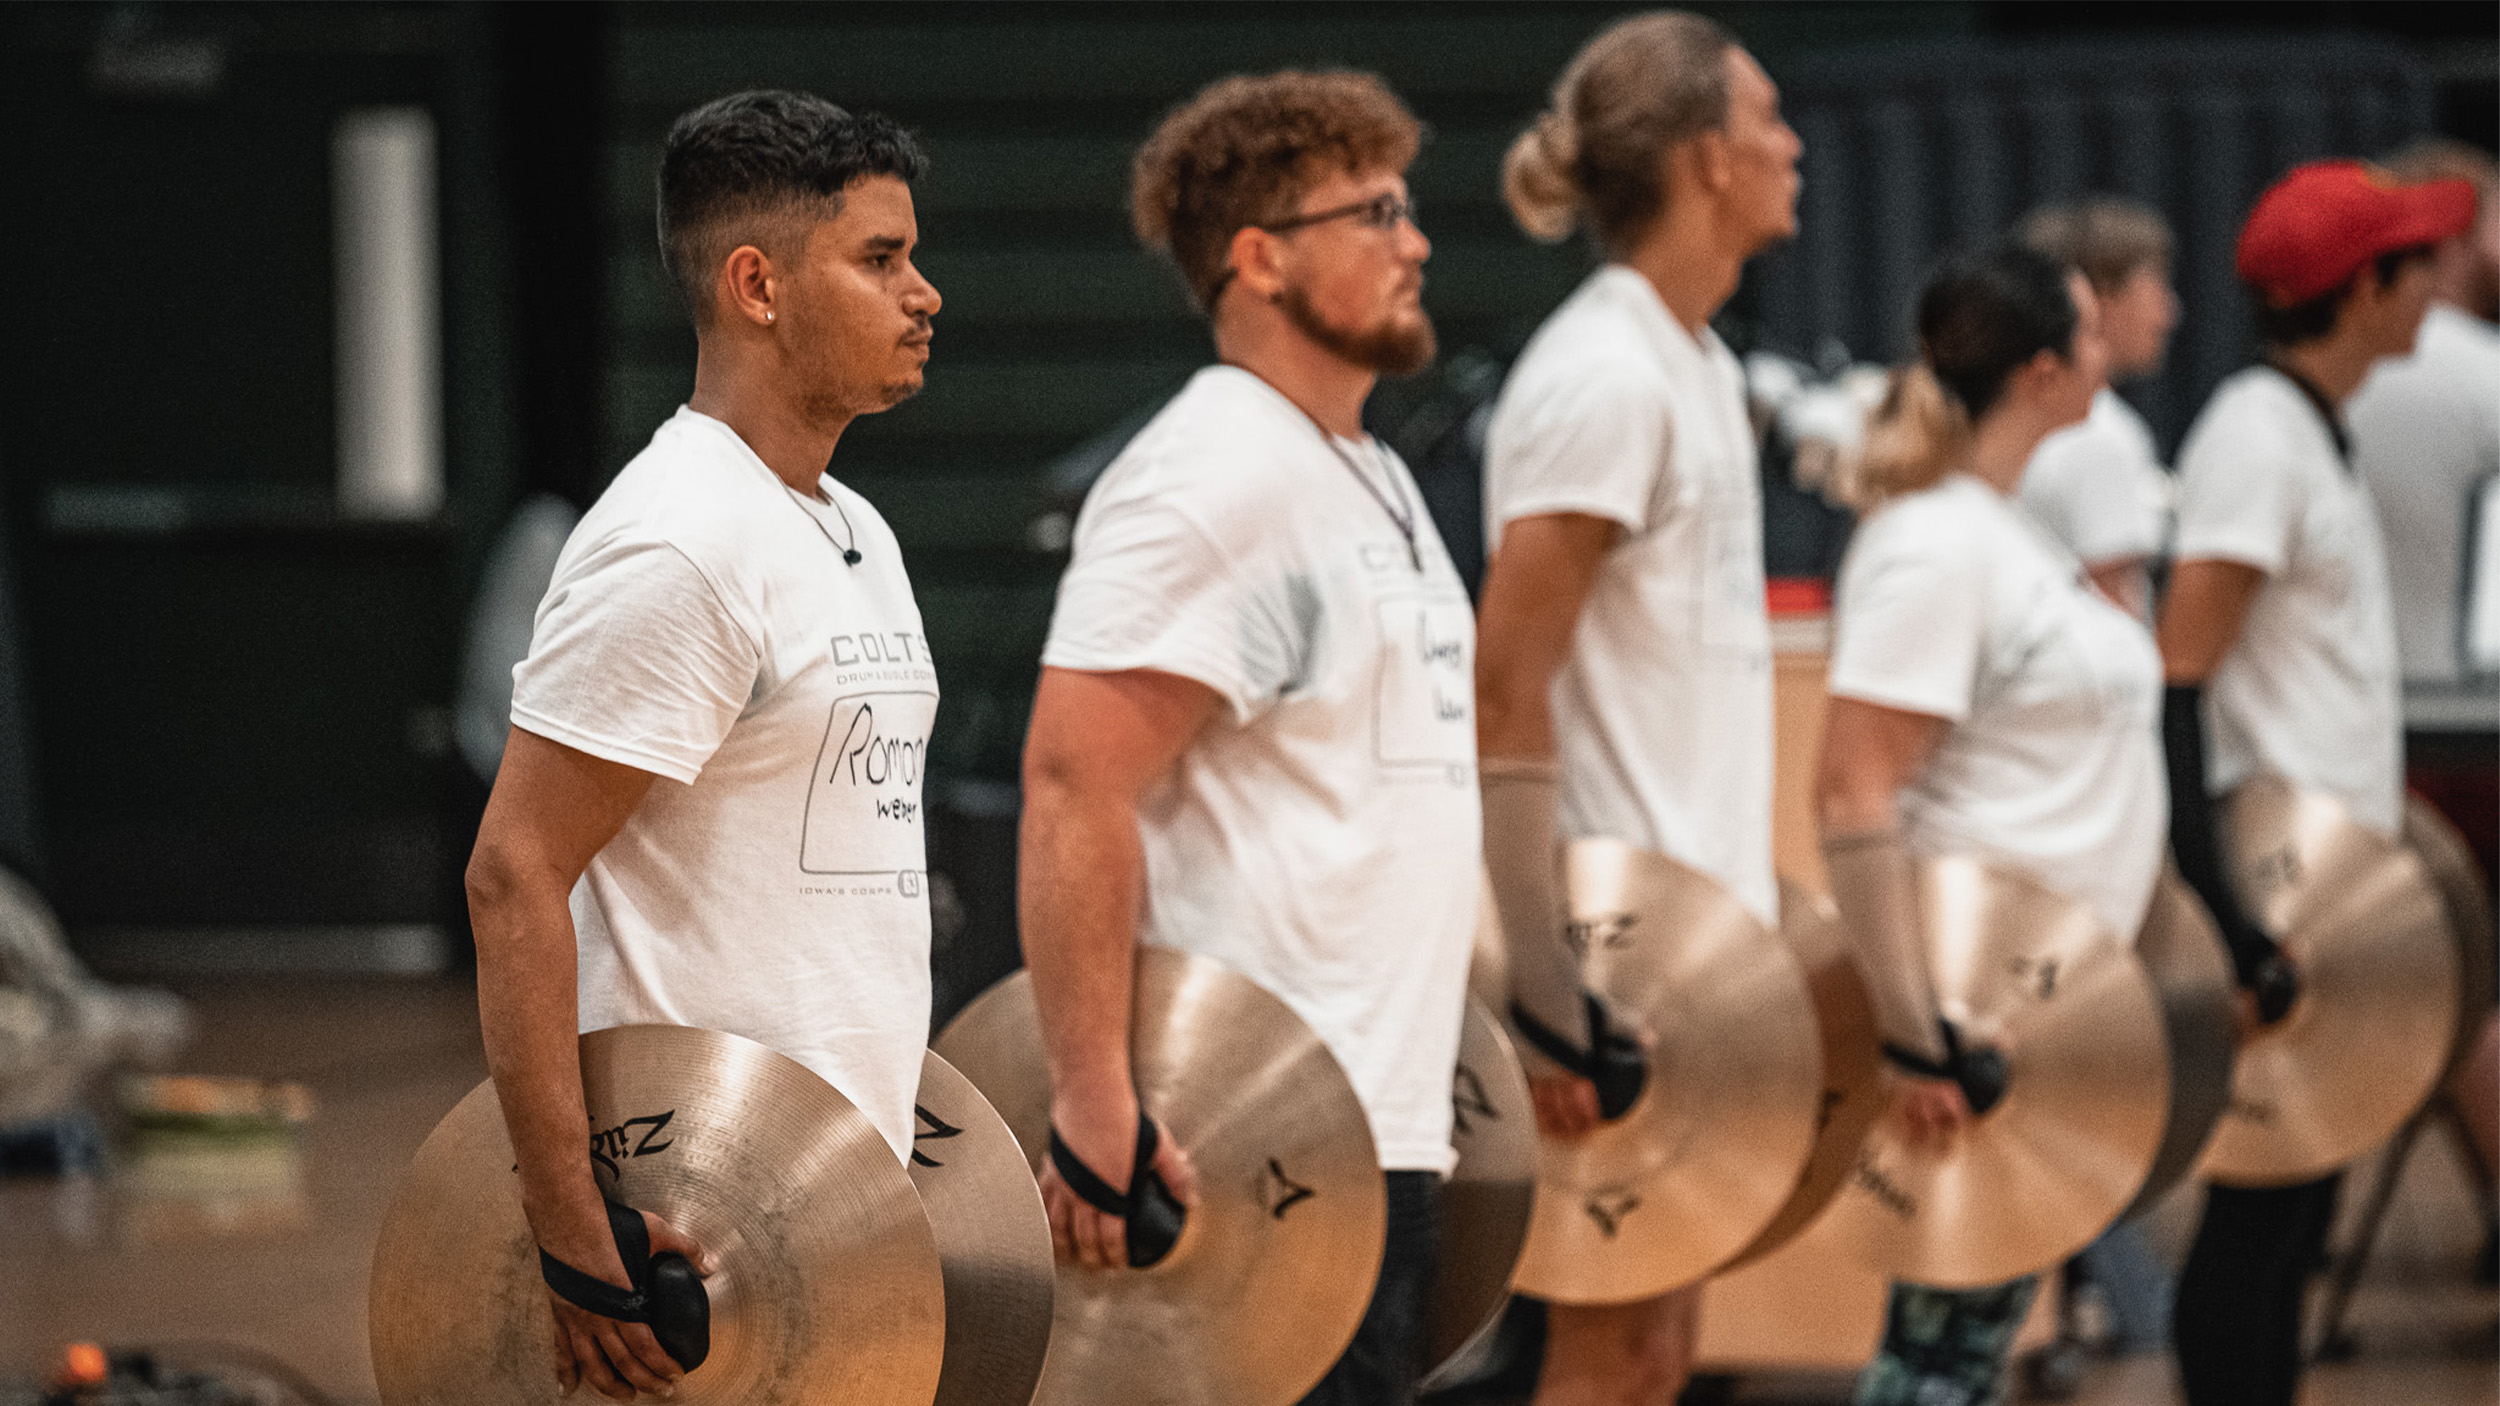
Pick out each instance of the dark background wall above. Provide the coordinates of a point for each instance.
(221, 703)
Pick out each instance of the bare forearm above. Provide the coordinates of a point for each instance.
(1080, 885)
(1534, 590)
(528, 1009)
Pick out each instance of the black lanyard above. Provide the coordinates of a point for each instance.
(1404, 522)
(2326, 411)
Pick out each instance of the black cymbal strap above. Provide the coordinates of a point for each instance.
(1981, 1071)
(1150, 1214)
(1613, 1062)
(667, 1293)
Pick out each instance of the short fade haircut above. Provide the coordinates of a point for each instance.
(746, 168)
(1243, 152)
(2104, 238)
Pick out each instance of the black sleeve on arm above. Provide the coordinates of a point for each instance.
(2193, 842)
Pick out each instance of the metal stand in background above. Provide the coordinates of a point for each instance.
(2335, 1343)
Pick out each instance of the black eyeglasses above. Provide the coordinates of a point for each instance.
(1379, 212)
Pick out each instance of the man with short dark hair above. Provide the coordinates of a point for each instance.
(662, 845)
(1254, 734)
(2279, 642)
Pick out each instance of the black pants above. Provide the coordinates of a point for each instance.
(2237, 1324)
(1385, 1360)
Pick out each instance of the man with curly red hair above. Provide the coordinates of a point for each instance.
(1254, 737)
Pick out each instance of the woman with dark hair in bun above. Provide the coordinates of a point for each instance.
(1986, 699)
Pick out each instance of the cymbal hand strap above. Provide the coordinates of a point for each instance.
(1614, 1061)
(2257, 961)
(1148, 1210)
(667, 1293)
(1981, 1071)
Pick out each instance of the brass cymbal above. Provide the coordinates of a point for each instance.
(993, 1240)
(1486, 1202)
(828, 1286)
(2036, 975)
(2370, 1034)
(2183, 953)
(2463, 892)
(1277, 1260)
(1853, 1066)
(1709, 1154)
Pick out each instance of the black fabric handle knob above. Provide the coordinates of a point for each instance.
(1149, 1213)
(667, 1294)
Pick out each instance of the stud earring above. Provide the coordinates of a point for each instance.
(768, 317)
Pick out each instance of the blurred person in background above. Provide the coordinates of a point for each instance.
(1625, 675)
(2426, 435)
(2426, 427)
(2099, 487)
(2278, 642)
(1253, 737)
(1985, 700)
(652, 849)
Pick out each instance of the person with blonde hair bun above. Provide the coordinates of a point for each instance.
(1987, 700)
(1624, 674)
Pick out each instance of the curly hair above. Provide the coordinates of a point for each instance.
(736, 167)
(1243, 151)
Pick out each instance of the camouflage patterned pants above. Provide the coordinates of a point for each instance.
(1946, 1347)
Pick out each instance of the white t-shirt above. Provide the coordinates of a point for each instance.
(2425, 435)
(2309, 690)
(1953, 603)
(703, 626)
(2098, 487)
(1662, 713)
(1321, 837)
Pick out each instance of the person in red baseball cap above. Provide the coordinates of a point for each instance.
(2278, 634)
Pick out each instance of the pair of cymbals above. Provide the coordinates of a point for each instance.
(1488, 1199)
(2361, 918)
(1711, 1154)
(1853, 1066)
(2183, 953)
(2466, 894)
(2035, 975)
(831, 1281)
(1277, 1260)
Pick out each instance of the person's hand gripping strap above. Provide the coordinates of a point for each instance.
(1148, 1210)
(667, 1293)
(2257, 960)
(1553, 1011)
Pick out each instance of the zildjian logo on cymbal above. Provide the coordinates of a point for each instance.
(2041, 972)
(1889, 1194)
(608, 1146)
(1607, 930)
(1468, 1098)
(2274, 870)
(932, 1129)
(1279, 1192)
